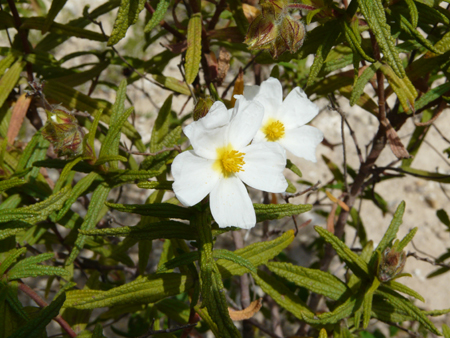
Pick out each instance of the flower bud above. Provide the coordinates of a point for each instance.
(275, 30)
(391, 264)
(202, 107)
(63, 132)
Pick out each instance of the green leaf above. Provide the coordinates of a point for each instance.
(65, 173)
(354, 40)
(28, 268)
(413, 12)
(6, 62)
(109, 158)
(314, 280)
(93, 129)
(360, 84)
(404, 289)
(408, 238)
(161, 127)
(256, 254)
(338, 175)
(38, 23)
(35, 327)
(405, 305)
(128, 15)
(235, 258)
(164, 185)
(284, 297)
(11, 183)
(277, 211)
(426, 175)
(405, 90)
(12, 257)
(161, 210)
(148, 231)
(323, 50)
(183, 259)
(57, 5)
(367, 303)
(157, 16)
(445, 331)
(373, 12)
(292, 167)
(90, 220)
(79, 188)
(98, 331)
(417, 138)
(173, 84)
(431, 95)
(354, 262)
(237, 11)
(391, 232)
(143, 290)
(9, 80)
(194, 47)
(443, 217)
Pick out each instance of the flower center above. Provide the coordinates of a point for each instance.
(274, 130)
(229, 160)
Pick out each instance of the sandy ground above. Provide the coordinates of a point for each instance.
(423, 198)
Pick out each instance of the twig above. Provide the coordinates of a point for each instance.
(184, 79)
(335, 107)
(437, 152)
(443, 190)
(411, 333)
(152, 332)
(221, 6)
(312, 188)
(255, 323)
(424, 259)
(244, 69)
(7, 31)
(177, 148)
(39, 301)
(440, 133)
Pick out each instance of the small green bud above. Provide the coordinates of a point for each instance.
(202, 107)
(391, 263)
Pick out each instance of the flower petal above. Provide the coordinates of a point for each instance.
(231, 205)
(302, 141)
(270, 95)
(250, 92)
(296, 109)
(263, 168)
(206, 141)
(218, 116)
(247, 120)
(194, 177)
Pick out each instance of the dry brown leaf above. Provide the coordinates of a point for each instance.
(335, 200)
(330, 218)
(248, 312)
(250, 12)
(223, 65)
(238, 86)
(18, 114)
(395, 143)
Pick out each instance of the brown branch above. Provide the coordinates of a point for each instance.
(151, 154)
(39, 301)
(312, 188)
(221, 6)
(255, 323)
(425, 259)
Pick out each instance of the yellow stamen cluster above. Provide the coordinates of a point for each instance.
(274, 130)
(229, 161)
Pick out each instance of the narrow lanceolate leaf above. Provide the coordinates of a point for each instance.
(246, 313)
(233, 257)
(354, 262)
(57, 5)
(19, 111)
(256, 254)
(375, 16)
(344, 310)
(323, 333)
(283, 296)
(162, 210)
(408, 238)
(57, 28)
(426, 175)
(236, 8)
(8, 215)
(405, 90)
(446, 331)
(162, 123)
(164, 185)
(11, 183)
(65, 173)
(9, 80)
(432, 95)
(173, 84)
(97, 201)
(12, 257)
(23, 271)
(413, 12)
(354, 41)
(150, 231)
(194, 49)
(183, 259)
(314, 280)
(391, 232)
(143, 290)
(6, 62)
(403, 304)
(128, 14)
(158, 15)
(367, 305)
(110, 158)
(276, 211)
(323, 50)
(365, 77)
(35, 327)
(292, 167)
(404, 289)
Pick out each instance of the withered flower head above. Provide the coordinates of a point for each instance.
(391, 264)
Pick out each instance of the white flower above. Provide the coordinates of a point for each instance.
(223, 159)
(284, 121)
